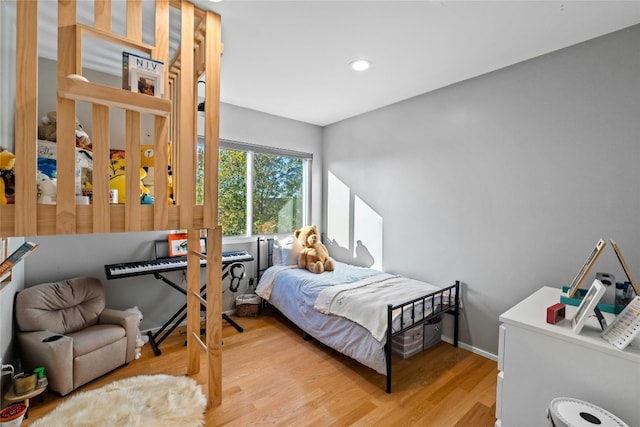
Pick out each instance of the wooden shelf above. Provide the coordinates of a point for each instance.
(94, 93)
(114, 38)
(47, 215)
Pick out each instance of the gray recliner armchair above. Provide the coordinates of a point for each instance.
(65, 327)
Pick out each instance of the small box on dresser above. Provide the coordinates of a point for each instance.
(409, 342)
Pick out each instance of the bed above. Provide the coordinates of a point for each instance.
(350, 309)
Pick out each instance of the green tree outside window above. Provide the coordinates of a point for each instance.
(271, 184)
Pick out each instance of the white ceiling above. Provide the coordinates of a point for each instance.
(290, 58)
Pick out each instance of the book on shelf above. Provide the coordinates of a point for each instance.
(25, 249)
(142, 75)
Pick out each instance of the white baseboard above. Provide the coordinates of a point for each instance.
(471, 348)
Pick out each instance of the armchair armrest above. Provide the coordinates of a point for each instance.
(56, 357)
(126, 319)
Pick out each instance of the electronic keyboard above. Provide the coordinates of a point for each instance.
(161, 265)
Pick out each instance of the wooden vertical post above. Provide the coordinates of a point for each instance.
(132, 171)
(213, 51)
(69, 62)
(134, 20)
(100, 176)
(183, 177)
(102, 13)
(214, 317)
(193, 304)
(26, 119)
(161, 125)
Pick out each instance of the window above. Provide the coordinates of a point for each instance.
(261, 190)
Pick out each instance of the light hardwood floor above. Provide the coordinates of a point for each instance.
(271, 376)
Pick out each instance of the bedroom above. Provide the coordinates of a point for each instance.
(539, 167)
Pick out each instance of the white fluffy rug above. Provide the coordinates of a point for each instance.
(146, 400)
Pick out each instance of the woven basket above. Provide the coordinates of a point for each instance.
(23, 383)
(248, 305)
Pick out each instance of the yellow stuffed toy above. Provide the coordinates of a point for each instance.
(314, 256)
(145, 194)
(7, 161)
(117, 182)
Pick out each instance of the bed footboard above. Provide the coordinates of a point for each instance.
(445, 300)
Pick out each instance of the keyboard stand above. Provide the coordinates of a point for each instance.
(172, 323)
(232, 322)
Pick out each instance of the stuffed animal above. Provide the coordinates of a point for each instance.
(145, 194)
(117, 182)
(141, 340)
(170, 188)
(47, 130)
(7, 161)
(47, 189)
(314, 256)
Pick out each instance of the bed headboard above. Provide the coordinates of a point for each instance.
(264, 248)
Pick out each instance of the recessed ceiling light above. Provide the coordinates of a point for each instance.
(360, 65)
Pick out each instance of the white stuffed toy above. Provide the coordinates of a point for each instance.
(140, 339)
(47, 190)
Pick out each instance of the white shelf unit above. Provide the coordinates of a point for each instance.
(539, 362)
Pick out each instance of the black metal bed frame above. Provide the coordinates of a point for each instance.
(448, 304)
(448, 297)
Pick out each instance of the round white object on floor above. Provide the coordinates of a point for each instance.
(569, 412)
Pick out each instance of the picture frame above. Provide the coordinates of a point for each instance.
(177, 243)
(144, 82)
(587, 305)
(586, 266)
(627, 272)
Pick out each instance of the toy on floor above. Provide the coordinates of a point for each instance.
(141, 340)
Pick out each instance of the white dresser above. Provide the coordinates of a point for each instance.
(538, 362)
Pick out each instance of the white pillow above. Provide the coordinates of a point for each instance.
(285, 251)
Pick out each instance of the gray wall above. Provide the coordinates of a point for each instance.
(505, 181)
(7, 353)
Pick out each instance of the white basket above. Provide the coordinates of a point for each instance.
(248, 305)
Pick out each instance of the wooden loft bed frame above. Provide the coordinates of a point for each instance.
(175, 120)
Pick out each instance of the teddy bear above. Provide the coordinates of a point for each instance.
(140, 339)
(314, 255)
(7, 179)
(47, 189)
(47, 130)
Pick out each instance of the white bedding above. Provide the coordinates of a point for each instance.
(295, 292)
(366, 302)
